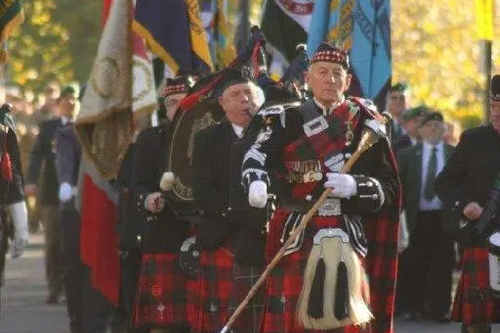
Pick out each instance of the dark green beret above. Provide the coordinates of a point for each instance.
(69, 90)
(400, 86)
(432, 116)
(415, 112)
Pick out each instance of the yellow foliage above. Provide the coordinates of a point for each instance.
(434, 48)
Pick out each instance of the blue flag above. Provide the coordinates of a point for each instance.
(173, 31)
(361, 27)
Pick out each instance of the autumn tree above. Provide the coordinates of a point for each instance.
(434, 48)
(57, 41)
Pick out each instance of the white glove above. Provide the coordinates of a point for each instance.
(65, 192)
(18, 213)
(257, 194)
(404, 235)
(343, 186)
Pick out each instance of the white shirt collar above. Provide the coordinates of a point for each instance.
(333, 107)
(64, 120)
(429, 146)
(238, 130)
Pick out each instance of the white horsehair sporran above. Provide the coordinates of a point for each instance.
(335, 289)
(494, 261)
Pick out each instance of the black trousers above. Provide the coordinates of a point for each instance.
(429, 266)
(73, 268)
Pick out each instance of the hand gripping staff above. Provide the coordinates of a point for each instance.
(371, 135)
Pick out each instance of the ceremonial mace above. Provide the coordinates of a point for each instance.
(371, 135)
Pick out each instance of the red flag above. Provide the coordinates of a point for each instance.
(104, 129)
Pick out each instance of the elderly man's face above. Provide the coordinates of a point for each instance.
(239, 102)
(328, 82)
(495, 115)
(171, 103)
(432, 131)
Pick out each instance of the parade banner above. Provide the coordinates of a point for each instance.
(363, 29)
(223, 49)
(103, 125)
(485, 14)
(104, 129)
(144, 97)
(285, 24)
(173, 30)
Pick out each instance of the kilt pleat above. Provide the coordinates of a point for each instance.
(215, 285)
(250, 320)
(474, 303)
(161, 293)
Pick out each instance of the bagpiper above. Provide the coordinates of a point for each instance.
(467, 187)
(161, 289)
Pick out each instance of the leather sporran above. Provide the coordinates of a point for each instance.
(189, 258)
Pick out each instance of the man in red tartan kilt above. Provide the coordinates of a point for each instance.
(162, 286)
(464, 186)
(230, 232)
(321, 284)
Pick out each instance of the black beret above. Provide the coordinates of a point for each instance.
(231, 76)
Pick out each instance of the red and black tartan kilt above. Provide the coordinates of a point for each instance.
(474, 302)
(215, 285)
(285, 283)
(161, 293)
(250, 320)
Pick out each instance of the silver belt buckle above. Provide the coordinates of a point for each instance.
(330, 233)
(331, 207)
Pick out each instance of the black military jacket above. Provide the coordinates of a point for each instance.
(43, 153)
(265, 160)
(217, 189)
(470, 171)
(11, 191)
(164, 232)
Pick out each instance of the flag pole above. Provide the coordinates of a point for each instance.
(484, 30)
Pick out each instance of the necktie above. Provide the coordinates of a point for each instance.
(431, 176)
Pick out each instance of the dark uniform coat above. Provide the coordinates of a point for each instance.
(43, 153)
(282, 157)
(230, 232)
(410, 169)
(468, 177)
(11, 190)
(162, 286)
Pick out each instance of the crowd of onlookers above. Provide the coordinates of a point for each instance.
(422, 141)
(29, 111)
